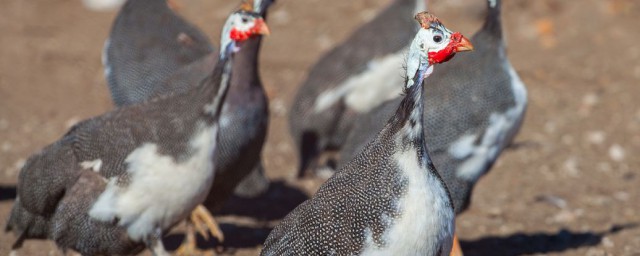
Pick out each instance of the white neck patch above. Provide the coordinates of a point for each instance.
(492, 3)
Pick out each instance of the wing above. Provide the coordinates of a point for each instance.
(347, 209)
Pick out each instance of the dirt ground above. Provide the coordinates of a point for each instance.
(570, 185)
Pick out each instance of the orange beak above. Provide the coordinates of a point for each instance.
(261, 27)
(464, 45)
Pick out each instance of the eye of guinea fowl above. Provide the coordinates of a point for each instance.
(437, 38)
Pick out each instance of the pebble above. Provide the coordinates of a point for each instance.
(494, 212)
(590, 99)
(12, 171)
(553, 200)
(324, 42)
(596, 252)
(20, 163)
(550, 127)
(71, 122)
(617, 153)
(325, 172)
(571, 167)
(280, 17)
(368, 15)
(596, 137)
(588, 102)
(564, 216)
(6, 146)
(622, 196)
(278, 107)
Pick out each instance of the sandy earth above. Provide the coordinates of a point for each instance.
(570, 185)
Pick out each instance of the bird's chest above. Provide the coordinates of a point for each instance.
(426, 220)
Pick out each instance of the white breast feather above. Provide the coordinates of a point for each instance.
(368, 89)
(161, 191)
(426, 223)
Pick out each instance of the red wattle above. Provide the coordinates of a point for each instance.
(448, 52)
(239, 36)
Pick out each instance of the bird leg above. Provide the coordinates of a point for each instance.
(456, 250)
(202, 222)
(154, 243)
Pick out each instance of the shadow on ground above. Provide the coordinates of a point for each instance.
(520, 243)
(236, 237)
(7, 193)
(274, 204)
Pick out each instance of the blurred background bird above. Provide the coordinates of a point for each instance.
(352, 78)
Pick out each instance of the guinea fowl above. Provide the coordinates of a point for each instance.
(390, 189)
(474, 108)
(117, 182)
(245, 114)
(353, 78)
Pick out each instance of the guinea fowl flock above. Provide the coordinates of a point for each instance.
(191, 120)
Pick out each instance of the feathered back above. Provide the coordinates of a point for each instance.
(147, 44)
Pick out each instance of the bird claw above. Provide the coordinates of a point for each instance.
(188, 248)
(204, 223)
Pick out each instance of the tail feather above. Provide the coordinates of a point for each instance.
(26, 225)
(43, 179)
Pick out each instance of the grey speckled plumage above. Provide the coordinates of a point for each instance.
(245, 113)
(475, 105)
(147, 44)
(60, 186)
(389, 33)
(390, 189)
(69, 224)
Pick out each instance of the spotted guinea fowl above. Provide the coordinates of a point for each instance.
(245, 112)
(474, 107)
(390, 189)
(352, 78)
(117, 182)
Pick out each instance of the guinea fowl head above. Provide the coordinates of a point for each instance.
(433, 44)
(241, 26)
